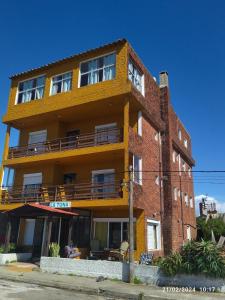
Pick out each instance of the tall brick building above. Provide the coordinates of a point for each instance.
(83, 121)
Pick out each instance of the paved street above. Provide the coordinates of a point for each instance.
(13, 290)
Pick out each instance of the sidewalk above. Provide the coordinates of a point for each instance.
(108, 288)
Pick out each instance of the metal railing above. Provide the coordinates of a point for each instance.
(102, 137)
(67, 192)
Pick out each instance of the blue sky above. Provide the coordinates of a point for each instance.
(186, 38)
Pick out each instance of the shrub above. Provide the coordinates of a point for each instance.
(171, 264)
(1, 249)
(54, 249)
(205, 228)
(195, 258)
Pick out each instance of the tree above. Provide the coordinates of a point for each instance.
(205, 228)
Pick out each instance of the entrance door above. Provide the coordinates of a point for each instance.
(28, 232)
(72, 138)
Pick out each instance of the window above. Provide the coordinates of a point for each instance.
(61, 83)
(111, 232)
(185, 143)
(179, 134)
(188, 233)
(37, 137)
(31, 185)
(174, 156)
(106, 133)
(31, 90)
(175, 193)
(178, 193)
(97, 70)
(157, 180)
(136, 77)
(104, 183)
(153, 235)
(186, 199)
(140, 123)
(156, 136)
(189, 172)
(191, 202)
(137, 168)
(183, 166)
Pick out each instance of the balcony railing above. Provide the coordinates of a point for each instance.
(102, 137)
(68, 192)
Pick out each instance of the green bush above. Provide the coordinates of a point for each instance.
(171, 264)
(205, 228)
(11, 248)
(54, 249)
(195, 258)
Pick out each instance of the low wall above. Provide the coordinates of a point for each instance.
(84, 267)
(117, 270)
(11, 257)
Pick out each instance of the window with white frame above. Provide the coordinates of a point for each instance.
(61, 83)
(137, 169)
(175, 193)
(183, 166)
(157, 181)
(191, 202)
(188, 232)
(153, 235)
(135, 76)
(110, 232)
(31, 89)
(140, 123)
(186, 199)
(156, 135)
(189, 172)
(179, 134)
(100, 69)
(174, 156)
(185, 143)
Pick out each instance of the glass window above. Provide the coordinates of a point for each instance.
(111, 234)
(61, 83)
(31, 90)
(97, 70)
(175, 193)
(136, 77)
(185, 143)
(153, 235)
(191, 202)
(137, 168)
(139, 123)
(186, 199)
(179, 134)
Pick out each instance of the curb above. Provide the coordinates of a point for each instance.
(82, 290)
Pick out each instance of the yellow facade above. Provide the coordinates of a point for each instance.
(80, 108)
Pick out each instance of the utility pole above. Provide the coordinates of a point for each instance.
(131, 226)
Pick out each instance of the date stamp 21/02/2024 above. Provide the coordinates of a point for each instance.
(178, 289)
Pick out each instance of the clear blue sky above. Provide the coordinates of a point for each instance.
(186, 38)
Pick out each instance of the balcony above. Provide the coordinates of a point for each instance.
(67, 192)
(103, 137)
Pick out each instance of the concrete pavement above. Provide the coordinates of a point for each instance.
(24, 291)
(89, 286)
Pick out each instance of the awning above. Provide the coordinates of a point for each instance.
(34, 210)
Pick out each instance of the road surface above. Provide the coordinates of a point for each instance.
(17, 290)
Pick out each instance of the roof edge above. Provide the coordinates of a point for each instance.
(117, 42)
